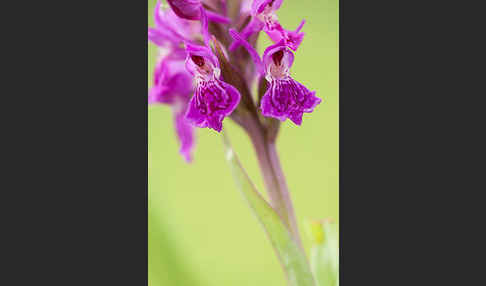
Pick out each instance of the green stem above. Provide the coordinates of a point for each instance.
(273, 176)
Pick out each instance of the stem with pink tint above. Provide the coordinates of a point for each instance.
(273, 176)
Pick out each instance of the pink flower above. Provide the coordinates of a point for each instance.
(213, 99)
(173, 86)
(265, 19)
(285, 97)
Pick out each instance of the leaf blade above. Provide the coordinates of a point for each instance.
(324, 253)
(291, 257)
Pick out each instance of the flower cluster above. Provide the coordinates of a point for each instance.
(188, 74)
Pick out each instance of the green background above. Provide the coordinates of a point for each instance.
(201, 231)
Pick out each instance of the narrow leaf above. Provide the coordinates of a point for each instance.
(324, 252)
(291, 257)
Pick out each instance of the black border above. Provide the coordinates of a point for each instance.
(77, 163)
(408, 136)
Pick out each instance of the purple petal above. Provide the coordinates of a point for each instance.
(218, 18)
(287, 98)
(156, 92)
(288, 57)
(205, 26)
(185, 134)
(154, 95)
(296, 117)
(160, 37)
(187, 9)
(301, 25)
(259, 5)
(170, 80)
(193, 115)
(211, 103)
(253, 27)
(173, 28)
(157, 18)
(201, 51)
(253, 53)
(215, 122)
(292, 39)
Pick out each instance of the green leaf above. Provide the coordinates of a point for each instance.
(324, 252)
(165, 265)
(291, 257)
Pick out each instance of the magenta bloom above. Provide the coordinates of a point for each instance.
(172, 83)
(170, 30)
(173, 86)
(265, 10)
(292, 39)
(213, 99)
(194, 10)
(285, 98)
(264, 18)
(171, 79)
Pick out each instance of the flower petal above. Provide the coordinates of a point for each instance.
(194, 115)
(287, 98)
(200, 51)
(211, 103)
(258, 6)
(217, 18)
(171, 81)
(205, 26)
(187, 9)
(160, 37)
(254, 26)
(185, 134)
(288, 58)
(292, 39)
(238, 39)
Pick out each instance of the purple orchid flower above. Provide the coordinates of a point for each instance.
(213, 99)
(292, 39)
(285, 97)
(265, 11)
(264, 18)
(170, 30)
(173, 85)
(194, 10)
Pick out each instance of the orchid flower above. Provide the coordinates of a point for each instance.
(213, 99)
(285, 98)
(264, 18)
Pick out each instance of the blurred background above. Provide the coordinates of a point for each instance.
(201, 232)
